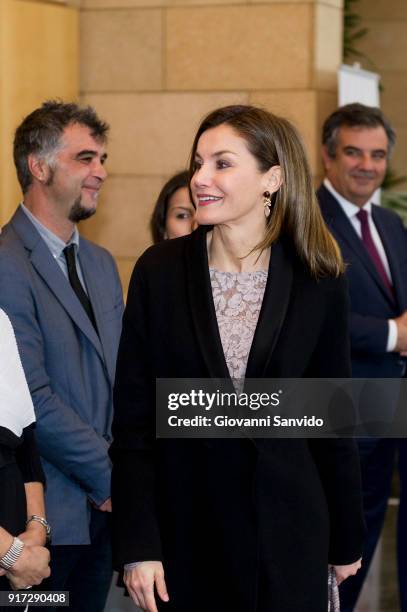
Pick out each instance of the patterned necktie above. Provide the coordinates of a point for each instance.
(370, 246)
(76, 284)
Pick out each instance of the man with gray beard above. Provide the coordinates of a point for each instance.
(357, 144)
(64, 298)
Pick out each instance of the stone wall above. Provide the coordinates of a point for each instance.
(39, 44)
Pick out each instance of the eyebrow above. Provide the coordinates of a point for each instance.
(353, 148)
(92, 153)
(218, 153)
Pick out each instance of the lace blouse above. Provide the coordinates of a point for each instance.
(237, 297)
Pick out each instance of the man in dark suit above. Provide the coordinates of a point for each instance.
(64, 298)
(357, 143)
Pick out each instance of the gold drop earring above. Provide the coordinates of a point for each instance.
(267, 203)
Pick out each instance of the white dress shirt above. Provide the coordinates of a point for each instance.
(351, 210)
(56, 245)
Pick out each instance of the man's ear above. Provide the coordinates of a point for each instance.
(38, 168)
(274, 179)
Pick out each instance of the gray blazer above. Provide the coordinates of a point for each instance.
(69, 368)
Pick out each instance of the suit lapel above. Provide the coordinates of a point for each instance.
(45, 265)
(202, 306)
(95, 293)
(273, 311)
(387, 238)
(340, 224)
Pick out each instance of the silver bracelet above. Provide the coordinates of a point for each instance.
(12, 554)
(43, 522)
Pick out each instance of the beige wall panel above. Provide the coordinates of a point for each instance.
(75, 3)
(394, 96)
(299, 107)
(203, 2)
(307, 110)
(121, 50)
(327, 103)
(248, 47)
(153, 133)
(335, 3)
(327, 46)
(386, 44)
(121, 222)
(398, 160)
(160, 3)
(382, 9)
(38, 60)
(125, 267)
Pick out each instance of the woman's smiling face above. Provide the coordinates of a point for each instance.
(227, 185)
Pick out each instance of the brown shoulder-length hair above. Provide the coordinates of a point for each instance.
(273, 141)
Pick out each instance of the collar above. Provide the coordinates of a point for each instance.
(55, 244)
(348, 207)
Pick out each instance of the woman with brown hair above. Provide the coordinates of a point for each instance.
(174, 213)
(248, 525)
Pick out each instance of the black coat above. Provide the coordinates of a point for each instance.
(229, 516)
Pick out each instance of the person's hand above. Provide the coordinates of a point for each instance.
(401, 345)
(140, 583)
(344, 571)
(31, 567)
(106, 506)
(34, 535)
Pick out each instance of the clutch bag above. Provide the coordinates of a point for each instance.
(333, 592)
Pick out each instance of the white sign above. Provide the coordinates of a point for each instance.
(357, 85)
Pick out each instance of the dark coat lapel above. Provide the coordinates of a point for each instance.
(387, 237)
(340, 224)
(273, 311)
(50, 272)
(201, 303)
